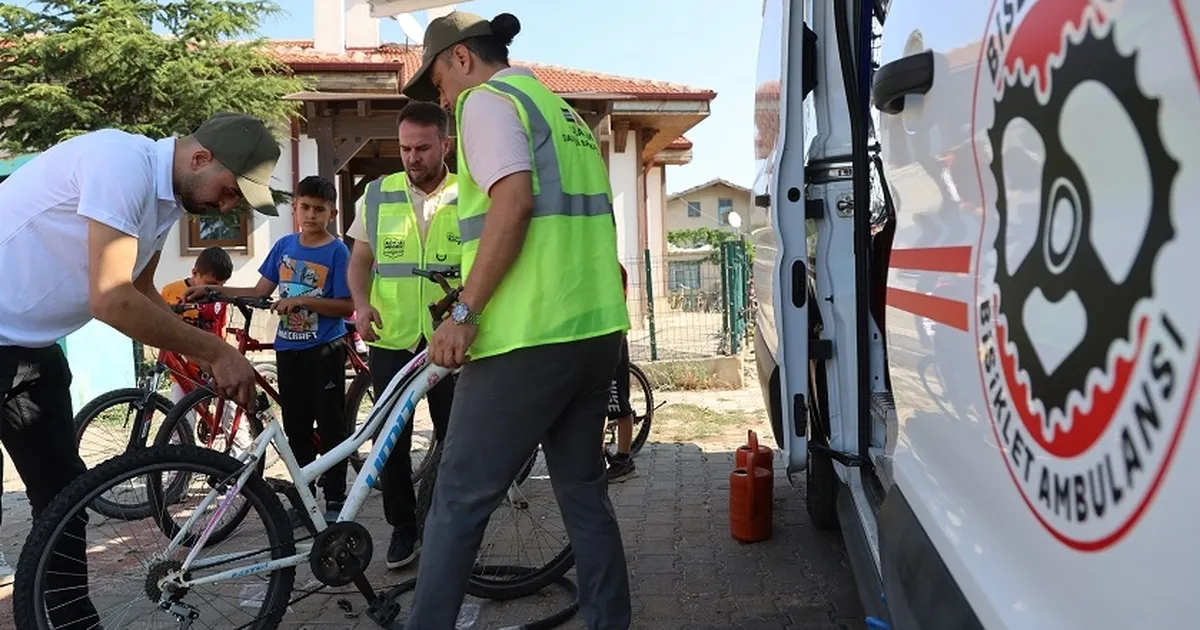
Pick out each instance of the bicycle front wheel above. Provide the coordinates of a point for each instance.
(96, 572)
(111, 424)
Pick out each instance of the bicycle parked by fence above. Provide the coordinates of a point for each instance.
(170, 582)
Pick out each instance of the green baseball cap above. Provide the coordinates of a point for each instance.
(244, 145)
(442, 33)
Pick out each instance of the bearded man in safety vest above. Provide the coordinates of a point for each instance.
(540, 318)
(407, 221)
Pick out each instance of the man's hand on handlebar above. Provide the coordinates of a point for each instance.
(200, 291)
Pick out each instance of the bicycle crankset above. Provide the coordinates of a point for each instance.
(340, 553)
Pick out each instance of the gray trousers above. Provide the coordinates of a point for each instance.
(503, 407)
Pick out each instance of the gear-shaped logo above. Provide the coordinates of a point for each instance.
(1064, 262)
(1079, 337)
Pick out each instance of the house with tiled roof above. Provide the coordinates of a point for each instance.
(348, 133)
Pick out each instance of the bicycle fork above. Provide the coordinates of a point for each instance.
(139, 438)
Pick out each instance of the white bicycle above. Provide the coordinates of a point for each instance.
(52, 592)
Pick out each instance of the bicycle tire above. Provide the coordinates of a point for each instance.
(176, 418)
(643, 422)
(92, 411)
(29, 588)
(515, 585)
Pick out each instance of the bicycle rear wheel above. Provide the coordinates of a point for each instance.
(111, 424)
(510, 578)
(124, 566)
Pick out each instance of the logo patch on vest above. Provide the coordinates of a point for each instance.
(393, 247)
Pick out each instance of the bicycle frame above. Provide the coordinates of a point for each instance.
(393, 411)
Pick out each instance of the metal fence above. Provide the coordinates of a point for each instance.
(688, 305)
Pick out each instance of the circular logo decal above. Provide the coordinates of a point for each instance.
(1085, 318)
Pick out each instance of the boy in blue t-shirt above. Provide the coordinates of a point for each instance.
(309, 268)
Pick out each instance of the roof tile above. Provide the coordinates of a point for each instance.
(300, 55)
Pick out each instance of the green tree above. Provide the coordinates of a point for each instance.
(72, 66)
(699, 237)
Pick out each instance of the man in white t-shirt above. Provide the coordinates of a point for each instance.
(82, 227)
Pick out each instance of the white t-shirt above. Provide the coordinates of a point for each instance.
(494, 143)
(122, 180)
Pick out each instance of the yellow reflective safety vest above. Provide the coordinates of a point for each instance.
(401, 297)
(566, 283)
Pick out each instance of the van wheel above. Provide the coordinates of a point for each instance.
(821, 481)
(821, 488)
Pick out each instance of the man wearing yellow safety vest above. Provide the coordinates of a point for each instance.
(407, 220)
(540, 318)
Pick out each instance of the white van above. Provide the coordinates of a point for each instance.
(979, 311)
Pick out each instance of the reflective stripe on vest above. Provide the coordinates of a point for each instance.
(565, 284)
(400, 296)
(550, 200)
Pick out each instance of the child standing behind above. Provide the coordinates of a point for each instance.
(309, 269)
(213, 268)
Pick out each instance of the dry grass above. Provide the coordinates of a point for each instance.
(684, 422)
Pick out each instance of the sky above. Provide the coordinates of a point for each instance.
(707, 44)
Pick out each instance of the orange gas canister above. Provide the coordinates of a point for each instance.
(751, 495)
(764, 457)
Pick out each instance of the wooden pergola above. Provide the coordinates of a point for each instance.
(357, 136)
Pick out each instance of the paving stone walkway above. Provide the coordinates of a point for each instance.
(685, 569)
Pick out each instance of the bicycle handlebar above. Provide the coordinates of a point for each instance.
(437, 309)
(212, 295)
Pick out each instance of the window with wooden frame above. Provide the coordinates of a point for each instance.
(229, 231)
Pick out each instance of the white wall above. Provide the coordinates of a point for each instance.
(655, 232)
(623, 173)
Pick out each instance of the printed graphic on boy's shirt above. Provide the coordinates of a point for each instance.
(300, 278)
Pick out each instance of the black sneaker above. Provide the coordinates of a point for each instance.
(332, 510)
(403, 549)
(620, 468)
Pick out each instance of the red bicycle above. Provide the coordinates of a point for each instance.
(123, 419)
(217, 419)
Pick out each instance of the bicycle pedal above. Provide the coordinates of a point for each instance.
(384, 611)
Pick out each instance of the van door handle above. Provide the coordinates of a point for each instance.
(908, 75)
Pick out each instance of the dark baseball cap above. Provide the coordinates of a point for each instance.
(442, 33)
(244, 145)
